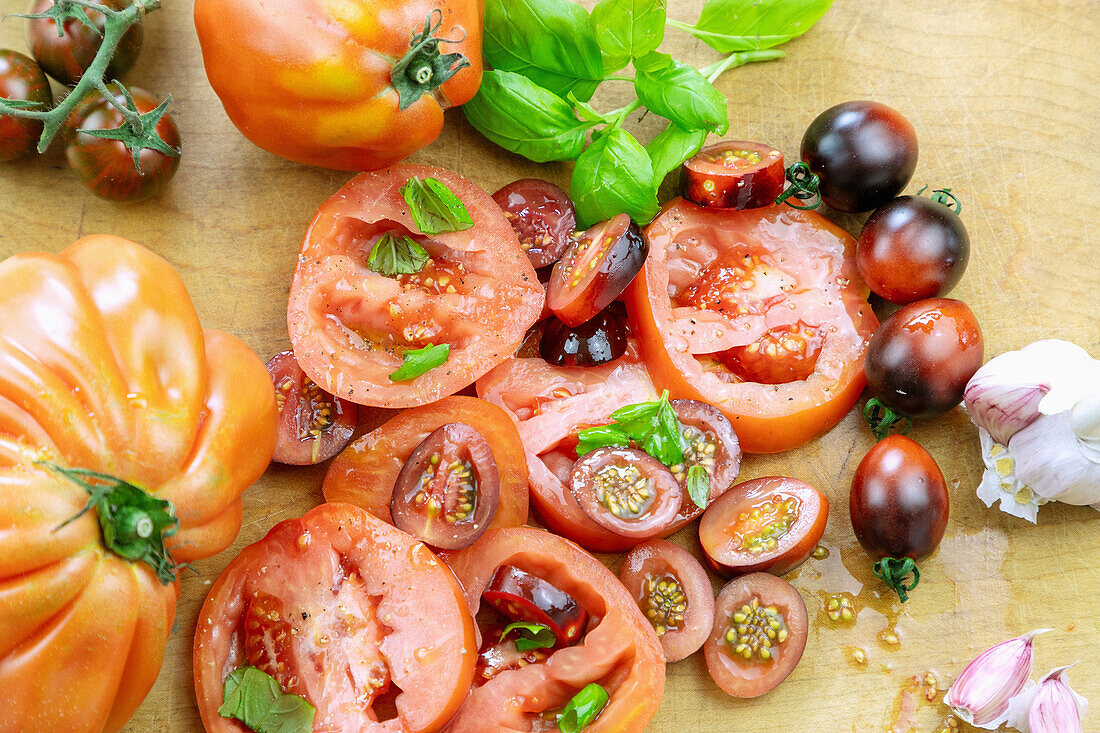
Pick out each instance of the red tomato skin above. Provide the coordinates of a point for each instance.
(706, 183)
(20, 78)
(67, 57)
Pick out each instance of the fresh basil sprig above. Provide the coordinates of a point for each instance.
(614, 175)
(584, 708)
(653, 426)
(530, 636)
(421, 361)
(256, 699)
(729, 26)
(392, 255)
(434, 207)
(672, 146)
(628, 29)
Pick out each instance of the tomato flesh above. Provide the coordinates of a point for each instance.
(522, 596)
(784, 354)
(626, 491)
(313, 425)
(734, 174)
(542, 215)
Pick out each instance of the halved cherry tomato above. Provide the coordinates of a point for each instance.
(596, 269)
(446, 494)
(500, 655)
(522, 596)
(754, 282)
(734, 174)
(351, 325)
(673, 591)
(366, 473)
(709, 442)
(759, 634)
(597, 341)
(619, 649)
(768, 524)
(626, 491)
(543, 217)
(313, 425)
(338, 606)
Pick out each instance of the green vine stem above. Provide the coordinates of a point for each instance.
(740, 58)
(804, 186)
(881, 419)
(894, 570)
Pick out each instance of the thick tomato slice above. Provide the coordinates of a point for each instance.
(351, 326)
(340, 608)
(734, 174)
(760, 312)
(366, 472)
(619, 650)
(313, 425)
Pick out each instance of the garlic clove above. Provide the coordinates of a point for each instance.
(1084, 419)
(981, 693)
(1048, 707)
(1053, 463)
(999, 482)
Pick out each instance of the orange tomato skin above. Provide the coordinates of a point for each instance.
(309, 80)
(104, 366)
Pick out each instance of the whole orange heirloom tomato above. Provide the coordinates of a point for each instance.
(345, 84)
(127, 434)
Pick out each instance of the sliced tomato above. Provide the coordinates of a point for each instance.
(313, 425)
(768, 524)
(366, 472)
(543, 217)
(619, 650)
(744, 287)
(734, 174)
(521, 596)
(673, 591)
(351, 326)
(339, 608)
(627, 491)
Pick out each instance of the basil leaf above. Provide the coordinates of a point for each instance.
(587, 111)
(672, 146)
(522, 117)
(680, 93)
(392, 256)
(256, 699)
(601, 436)
(584, 708)
(434, 207)
(551, 42)
(614, 175)
(421, 361)
(531, 636)
(627, 29)
(698, 486)
(637, 420)
(665, 442)
(750, 25)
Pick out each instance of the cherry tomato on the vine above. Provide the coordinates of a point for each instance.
(20, 78)
(67, 56)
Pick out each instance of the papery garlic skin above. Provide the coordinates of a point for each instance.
(1048, 707)
(981, 694)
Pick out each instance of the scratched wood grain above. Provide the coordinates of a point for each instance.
(1004, 99)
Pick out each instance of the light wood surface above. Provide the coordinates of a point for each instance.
(1007, 109)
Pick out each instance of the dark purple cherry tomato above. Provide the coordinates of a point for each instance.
(447, 492)
(863, 152)
(596, 341)
(626, 491)
(734, 175)
(912, 248)
(920, 359)
(500, 655)
(543, 217)
(68, 56)
(20, 78)
(596, 268)
(521, 596)
(313, 425)
(106, 167)
(710, 442)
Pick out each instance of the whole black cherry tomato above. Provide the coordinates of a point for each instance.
(920, 359)
(596, 341)
(20, 78)
(734, 174)
(542, 215)
(627, 491)
(313, 425)
(912, 248)
(863, 152)
(521, 596)
(67, 56)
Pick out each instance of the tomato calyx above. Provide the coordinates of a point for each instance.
(881, 419)
(894, 570)
(134, 524)
(139, 131)
(424, 68)
(804, 186)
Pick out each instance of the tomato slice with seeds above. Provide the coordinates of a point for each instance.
(542, 215)
(596, 269)
(522, 596)
(710, 442)
(783, 354)
(759, 634)
(768, 524)
(313, 425)
(734, 174)
(673, 591)
(626, 491)
(498, 656)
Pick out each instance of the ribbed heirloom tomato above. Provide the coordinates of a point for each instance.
(111, 394)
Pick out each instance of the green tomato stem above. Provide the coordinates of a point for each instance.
(740, 58)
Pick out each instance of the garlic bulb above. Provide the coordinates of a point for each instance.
(1038, 417)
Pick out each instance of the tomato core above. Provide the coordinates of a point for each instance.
(664, 603)
(755, 632)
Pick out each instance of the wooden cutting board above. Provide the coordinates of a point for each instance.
(1006, 106)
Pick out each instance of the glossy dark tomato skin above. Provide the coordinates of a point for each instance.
(899, 502)
(920, 359)
(657, 504)
(521, 596)
(912, 248)
(313, 425)
(599, 340)
(20, 78)
(542, 215)
(863, 152)
(596, 268)
(68, 56)
(106, 167)
(734, 174)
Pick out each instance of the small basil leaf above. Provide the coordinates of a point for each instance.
(698, 486)
(614, 175)
(421, 361)
(551, 42)
(530, 636)
(637, 420)
(584, 708)
(749, 25)
(666, 442)
(392, 256)
(601, 436)
(680, 93)
(627, 29)
(434, 207)
(256, 699)
(522, 117)
(672, 146)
